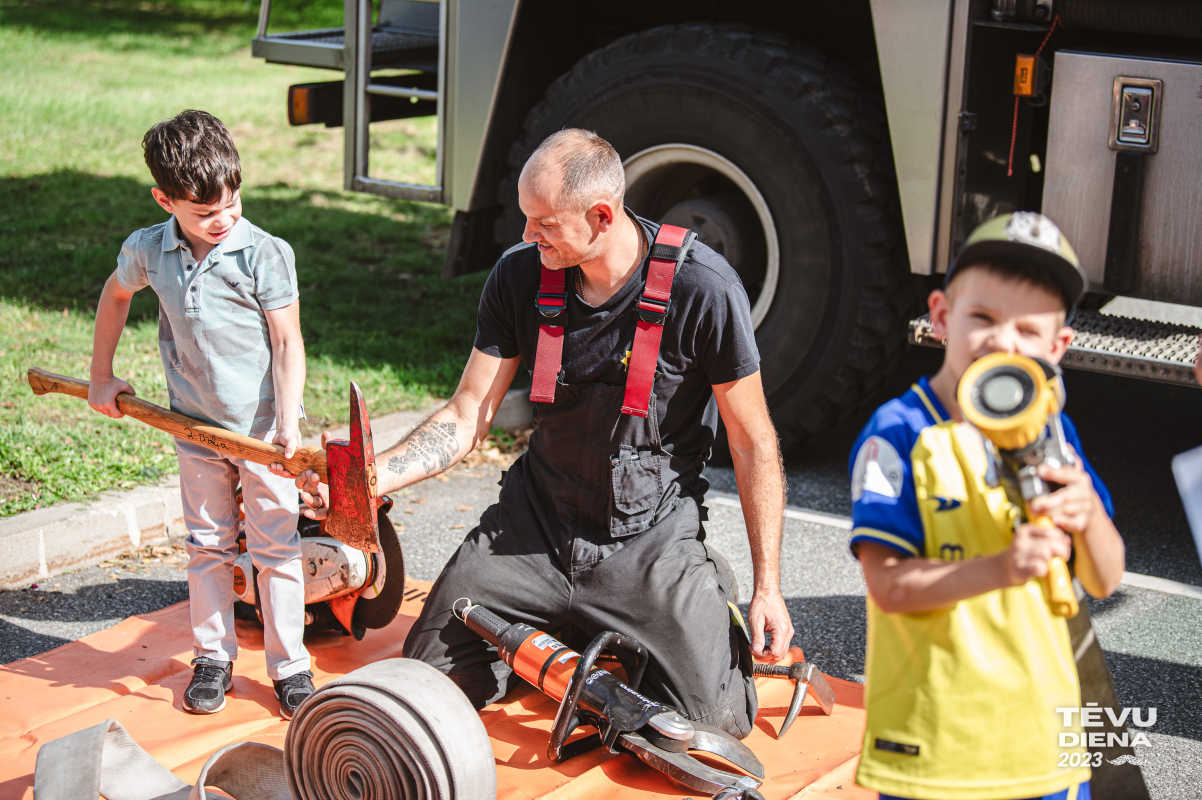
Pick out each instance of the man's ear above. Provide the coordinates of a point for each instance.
(602, 215)
(940, 305)
(163, 200)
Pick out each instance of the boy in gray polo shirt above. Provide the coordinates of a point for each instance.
(230, 340)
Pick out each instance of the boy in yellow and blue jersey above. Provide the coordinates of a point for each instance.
(966, 664)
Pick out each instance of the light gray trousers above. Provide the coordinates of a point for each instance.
(208, 481)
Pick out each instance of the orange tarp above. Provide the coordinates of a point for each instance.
(136, 673)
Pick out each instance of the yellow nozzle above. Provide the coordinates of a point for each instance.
(1009, 398)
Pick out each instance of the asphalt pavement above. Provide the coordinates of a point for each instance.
(1130, 429)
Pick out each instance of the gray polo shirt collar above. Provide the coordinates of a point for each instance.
(239, 239)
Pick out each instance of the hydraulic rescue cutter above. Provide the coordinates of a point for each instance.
(353, 560)
(656, 734)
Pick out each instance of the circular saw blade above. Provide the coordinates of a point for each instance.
(377, 612)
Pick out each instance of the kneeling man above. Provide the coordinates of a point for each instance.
(598, 525)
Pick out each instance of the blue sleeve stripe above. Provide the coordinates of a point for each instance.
(885, 538)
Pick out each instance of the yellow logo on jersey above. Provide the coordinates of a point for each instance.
(626, 361)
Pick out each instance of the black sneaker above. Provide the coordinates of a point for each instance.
(210, 681)
(292, 691)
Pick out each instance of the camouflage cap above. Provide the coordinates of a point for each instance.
(1027, 237)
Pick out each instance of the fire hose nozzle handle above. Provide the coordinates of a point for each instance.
(1061, 597)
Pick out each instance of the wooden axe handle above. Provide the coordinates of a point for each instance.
(213, 436)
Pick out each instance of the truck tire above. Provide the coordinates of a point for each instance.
(779, 160)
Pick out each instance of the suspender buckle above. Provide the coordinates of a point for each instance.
(662, 251)
(552, 307)
(653, 312)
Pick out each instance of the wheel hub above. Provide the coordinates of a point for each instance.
(714, 219)
(699, 189)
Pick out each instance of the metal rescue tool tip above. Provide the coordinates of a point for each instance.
(656, 734)
(805, 677)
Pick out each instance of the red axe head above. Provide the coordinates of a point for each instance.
(351, 466)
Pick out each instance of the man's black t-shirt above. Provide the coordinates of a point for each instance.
(708, 336)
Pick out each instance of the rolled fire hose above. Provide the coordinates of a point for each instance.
(397, 729)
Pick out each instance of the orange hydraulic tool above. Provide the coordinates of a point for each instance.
(656, 734)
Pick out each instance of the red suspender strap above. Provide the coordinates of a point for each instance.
(552, 305)
(671, 245)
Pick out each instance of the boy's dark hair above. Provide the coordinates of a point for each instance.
(1019, 271)
(192, 157)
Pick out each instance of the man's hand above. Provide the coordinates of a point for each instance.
(1072, 507)
(768, 613)
(289, 438)
(1030, 551)
(102, 395)
(314, 493)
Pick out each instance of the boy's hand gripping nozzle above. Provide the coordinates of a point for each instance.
(1015, 402)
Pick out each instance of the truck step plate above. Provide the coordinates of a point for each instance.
(1138, 348)
(390, 48)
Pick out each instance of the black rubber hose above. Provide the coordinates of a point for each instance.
(1181, 18)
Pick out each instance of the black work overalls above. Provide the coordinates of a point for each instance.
(597, 527)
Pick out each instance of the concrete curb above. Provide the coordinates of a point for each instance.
(37, 544)
(45, 542)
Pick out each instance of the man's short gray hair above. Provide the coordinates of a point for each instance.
(592, 170)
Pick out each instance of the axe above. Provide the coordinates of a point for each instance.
(348, 467)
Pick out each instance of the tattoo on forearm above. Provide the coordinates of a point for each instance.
(432, 447)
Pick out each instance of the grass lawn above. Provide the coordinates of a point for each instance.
(80, 84)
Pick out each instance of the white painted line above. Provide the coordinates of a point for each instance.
(791, 512)
(835, 521)
(1161, 585)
